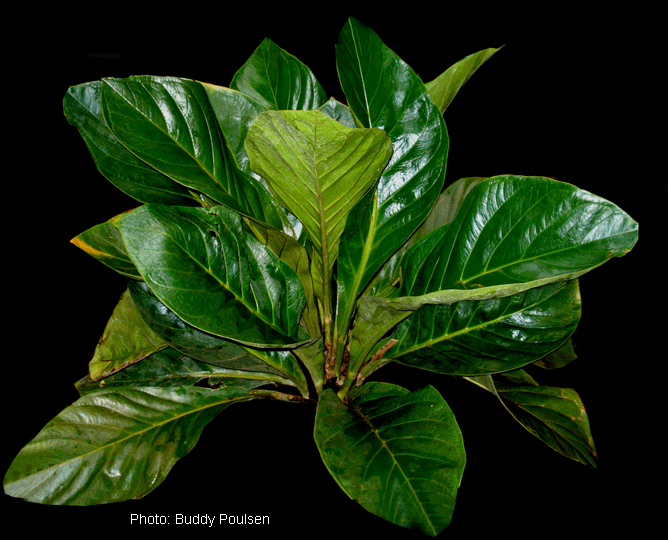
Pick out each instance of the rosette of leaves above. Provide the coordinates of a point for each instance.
(287, 246)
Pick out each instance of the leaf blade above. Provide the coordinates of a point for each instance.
(398, 454)
(213, 275)
(114, 445)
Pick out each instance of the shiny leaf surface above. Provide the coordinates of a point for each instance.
(488, 336)
(399, 454)
(513, 229)
(370, 73)
(115, 444)
(168, 123)
(213, 275)
(278, 81)
(83, 108)
(126, 339)
(264, 364)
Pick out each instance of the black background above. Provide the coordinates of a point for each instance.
(555, 101)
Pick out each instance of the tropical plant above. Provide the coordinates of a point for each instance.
(287, 247)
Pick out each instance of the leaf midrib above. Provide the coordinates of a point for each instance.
(396, 464)
(131, 434)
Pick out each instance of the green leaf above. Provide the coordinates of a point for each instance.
(83, 108)
(244, 362)
(370, 74)
(319, 169)
(488, 336)
(556, 416)
(399, 454)
(339, 112)
(377, 315)
(168, 367)
(215, 276)
(235, 113)
(168, 123)
(278, 81)
(444, 88)
(564, 355)
(114, 444)
(105, 243)
(513, 229)
(126, 339)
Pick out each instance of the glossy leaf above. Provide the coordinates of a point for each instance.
(105, 243)
(378, 315)
(399, 454)
(555, 415)
(83, 109)
(168, 123)
(264, 364)
(168, 367)
(488, 336)
(444, 88)
(235, 113)
(370, 73)
(213, 275)
(513, 229)
(115, 444)
(278, 81)
(126, 339)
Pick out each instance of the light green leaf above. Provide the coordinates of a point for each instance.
(126, 339)
(444, 88)
(104, 243)
(318, 168)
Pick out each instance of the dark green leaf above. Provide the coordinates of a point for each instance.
(83, 109)
(398, 454)
(213, 275)
(555, 415)
(115, 444)
(168, 367)
(168, 123)
(489, 336)
(513, 229)
(235, 113)
(562, 356)
(339, 112)
(384, 92)
(278, 81)
(264, 364)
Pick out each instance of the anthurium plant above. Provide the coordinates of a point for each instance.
(287, 247)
